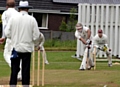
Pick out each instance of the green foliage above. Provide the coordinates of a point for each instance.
(70, 25)
(63, 26)
(72, 20)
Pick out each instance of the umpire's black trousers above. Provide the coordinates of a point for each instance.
(15, 63)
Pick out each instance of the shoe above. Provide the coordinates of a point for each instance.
(89, 68)
(19, 79)
(73, 56)
(79, 58)
(47, 62)
(110, 64)
(82, 69)
(92, 66)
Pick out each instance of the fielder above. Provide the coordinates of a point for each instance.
(5, 18)
(84, 34)
(100, 42)
(39, 46)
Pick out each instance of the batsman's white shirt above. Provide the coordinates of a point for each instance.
(5, 18)
(23, 30)
(100, 41)
(83, 34)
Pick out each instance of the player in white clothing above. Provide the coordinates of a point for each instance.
(84, 34)
(101, 43)
(39, 46)
(7, 14)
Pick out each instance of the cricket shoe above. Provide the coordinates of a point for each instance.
(47, 62)
(92, 66)
(110, 64)
(82, 69)
(89, 68)
(76, 57)
(19, 79)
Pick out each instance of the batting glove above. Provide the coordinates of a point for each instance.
(88, 41)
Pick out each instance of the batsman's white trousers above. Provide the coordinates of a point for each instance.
(7, 54)
(83, 64)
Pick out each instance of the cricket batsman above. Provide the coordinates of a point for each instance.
(39, 45)
(100, 42)
(84, 34)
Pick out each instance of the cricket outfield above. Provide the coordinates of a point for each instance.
(63, 71)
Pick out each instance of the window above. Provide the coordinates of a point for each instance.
(42, 20)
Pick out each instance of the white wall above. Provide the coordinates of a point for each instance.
(104, 16)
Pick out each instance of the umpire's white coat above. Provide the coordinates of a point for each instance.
(21, 35)
(23, 31)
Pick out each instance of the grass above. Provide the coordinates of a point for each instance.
(63, 71)
(60, 44)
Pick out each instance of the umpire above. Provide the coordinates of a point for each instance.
(23, 31)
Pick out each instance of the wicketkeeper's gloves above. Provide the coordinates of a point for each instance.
(103, 48)
(99, 48)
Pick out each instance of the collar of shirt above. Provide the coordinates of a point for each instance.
(11, 9)
(23, 12)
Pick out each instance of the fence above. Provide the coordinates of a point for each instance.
(101, 16)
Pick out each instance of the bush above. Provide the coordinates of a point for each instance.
(63, 26)
(72, 20)
(70, 25)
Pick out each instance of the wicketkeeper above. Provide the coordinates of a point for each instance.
(100, 42)
(84, 34)
(39, 46)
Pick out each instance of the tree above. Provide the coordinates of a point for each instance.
(70, 25)
(63, 25)
(72, 20)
